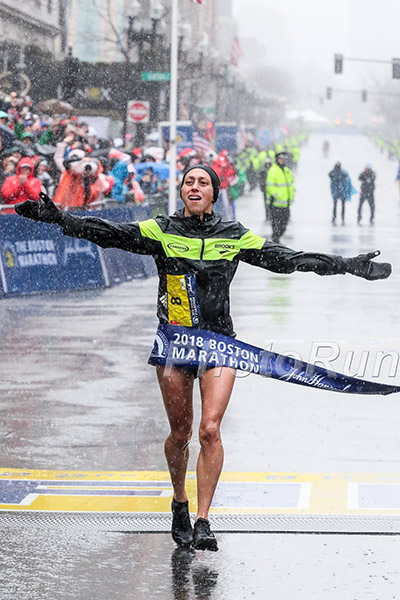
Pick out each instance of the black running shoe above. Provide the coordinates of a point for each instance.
(182, 530)
(203, 537)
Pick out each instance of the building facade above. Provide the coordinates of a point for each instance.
(32, 22)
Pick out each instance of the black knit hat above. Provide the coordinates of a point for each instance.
(214, 179)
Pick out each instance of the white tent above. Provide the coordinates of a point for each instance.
(308, 116)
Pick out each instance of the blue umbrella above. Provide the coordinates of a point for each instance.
(161, 168)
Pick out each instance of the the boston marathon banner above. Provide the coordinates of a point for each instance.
(37, 257)
(200, 350)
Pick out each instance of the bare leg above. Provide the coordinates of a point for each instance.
(177, 390)
(215, 387)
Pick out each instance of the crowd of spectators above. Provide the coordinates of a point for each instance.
(63, 156)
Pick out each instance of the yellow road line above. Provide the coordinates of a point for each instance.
(237, 493)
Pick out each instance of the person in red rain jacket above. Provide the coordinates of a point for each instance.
(224, 169)
(21, 186)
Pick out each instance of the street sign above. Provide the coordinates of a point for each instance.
(138, 111)
(155, 76)
(207, 110)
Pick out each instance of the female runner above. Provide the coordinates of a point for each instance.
(197, 255)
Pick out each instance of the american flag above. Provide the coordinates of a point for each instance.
(200, 144)
(236, 52)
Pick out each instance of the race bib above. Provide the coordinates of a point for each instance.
(183, 304)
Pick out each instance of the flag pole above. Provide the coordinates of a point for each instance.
(173, 108)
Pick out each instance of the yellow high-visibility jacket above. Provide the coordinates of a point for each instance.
(280, 186)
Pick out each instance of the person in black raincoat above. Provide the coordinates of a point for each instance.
(367, 178)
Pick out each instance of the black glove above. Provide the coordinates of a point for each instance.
(362, 266)
(42, 210)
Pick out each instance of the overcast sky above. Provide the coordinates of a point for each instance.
(302, 36)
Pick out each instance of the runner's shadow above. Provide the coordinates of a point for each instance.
(184, 573)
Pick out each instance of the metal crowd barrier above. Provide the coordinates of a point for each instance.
(158, 204)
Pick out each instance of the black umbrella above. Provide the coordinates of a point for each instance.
(27, 150)
(7, 137)
(101, 151)
(45, 149)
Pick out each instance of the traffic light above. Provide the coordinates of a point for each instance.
(329, 93)
(364, 97)
(396, 68)
(338, 63)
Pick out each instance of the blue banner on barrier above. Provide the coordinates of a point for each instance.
(37, 257)
(184, 134)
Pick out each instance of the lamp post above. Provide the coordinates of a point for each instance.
(156, 12)
(132, 13)
(157, 59)
(149, 36)
(70, 76)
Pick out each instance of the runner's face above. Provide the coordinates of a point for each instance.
(197, 193)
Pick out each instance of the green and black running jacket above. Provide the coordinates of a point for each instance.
(196, 261)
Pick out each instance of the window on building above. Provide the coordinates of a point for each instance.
(10, 56)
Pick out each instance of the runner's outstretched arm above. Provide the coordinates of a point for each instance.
(280, 259)
(107, 234)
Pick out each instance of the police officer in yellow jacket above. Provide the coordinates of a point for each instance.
(280, 195)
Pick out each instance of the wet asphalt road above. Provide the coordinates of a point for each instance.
(76, 393)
